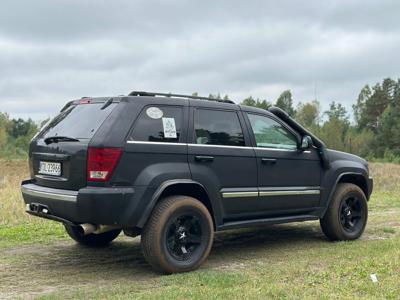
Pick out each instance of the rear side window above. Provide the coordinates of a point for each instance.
(215, 127)
(158, 124)
(78, 121)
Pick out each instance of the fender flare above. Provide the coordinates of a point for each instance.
(333, 189)
(156, 196)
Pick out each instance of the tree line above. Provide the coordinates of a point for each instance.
(374, 134)
(15, 135)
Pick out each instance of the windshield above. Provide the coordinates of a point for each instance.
(78, 121)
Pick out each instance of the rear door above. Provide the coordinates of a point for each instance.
(220, 158)
(156, 149)
(58, 153)
(289, 179)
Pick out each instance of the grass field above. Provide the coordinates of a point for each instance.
(284, 261)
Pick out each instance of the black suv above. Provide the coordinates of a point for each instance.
(175, 169)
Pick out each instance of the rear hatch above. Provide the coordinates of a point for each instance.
(59, 152)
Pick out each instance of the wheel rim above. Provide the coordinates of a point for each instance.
(183, 236)
(351, 213)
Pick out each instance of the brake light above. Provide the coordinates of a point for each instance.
(102, 162)
(85, 101)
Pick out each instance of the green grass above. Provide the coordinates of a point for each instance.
(340, 270)
(46, 232)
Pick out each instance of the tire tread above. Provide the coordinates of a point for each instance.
(150, 247)
(330, 224)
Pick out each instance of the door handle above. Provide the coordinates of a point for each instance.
(269, 161)
(204, 158)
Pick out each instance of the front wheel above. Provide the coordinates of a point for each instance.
(178, 235)
(347, 213)
(92, 240)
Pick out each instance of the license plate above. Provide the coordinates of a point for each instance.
(50, 168)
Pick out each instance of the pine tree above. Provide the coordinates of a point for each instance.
(285, 102)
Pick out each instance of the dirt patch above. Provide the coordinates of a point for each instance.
(32, 270)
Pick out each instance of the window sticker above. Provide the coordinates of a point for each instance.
(154, 112)
(169, 128)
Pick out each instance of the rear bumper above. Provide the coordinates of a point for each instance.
(96, 205)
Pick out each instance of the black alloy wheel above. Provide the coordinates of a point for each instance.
(183, 236)
(351, 213)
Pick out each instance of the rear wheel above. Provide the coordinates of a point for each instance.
(178, 235)
(92, 240)
(347, 213)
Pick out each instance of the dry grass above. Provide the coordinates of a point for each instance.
(386, 177)
(12, 208)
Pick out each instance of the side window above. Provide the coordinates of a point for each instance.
(158, 124)
(270, 134)
(216, 127)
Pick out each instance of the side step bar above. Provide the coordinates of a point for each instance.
(266, 221)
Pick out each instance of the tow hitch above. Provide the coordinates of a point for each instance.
(43, 211)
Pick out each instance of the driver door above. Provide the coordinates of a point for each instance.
(288, 179)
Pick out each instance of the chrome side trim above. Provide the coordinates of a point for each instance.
(213, 146)
(219, 146)
(280, 149)
(189, 144)
(239, 194)
(48, 195)
(290, 193)
(156, 143)
(275, 149)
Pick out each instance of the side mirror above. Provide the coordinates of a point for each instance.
(306, 142)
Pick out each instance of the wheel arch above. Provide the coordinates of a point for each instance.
(355, 178)
(184, 187)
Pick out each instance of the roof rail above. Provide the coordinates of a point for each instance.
(152, 94)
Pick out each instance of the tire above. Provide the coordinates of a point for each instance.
(92, 240)
(347, 214)
(178, 235)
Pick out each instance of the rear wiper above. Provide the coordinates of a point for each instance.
(56, 139)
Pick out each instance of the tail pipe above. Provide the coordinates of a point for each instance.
(88, 228)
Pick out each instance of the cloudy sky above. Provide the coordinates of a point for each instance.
(55, 51)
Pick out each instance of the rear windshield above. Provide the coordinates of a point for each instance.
(78, 121)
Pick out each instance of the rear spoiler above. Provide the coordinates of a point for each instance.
(320, 145)
(88, 100)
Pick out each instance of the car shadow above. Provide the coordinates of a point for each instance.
(229, 246)
(123, 259)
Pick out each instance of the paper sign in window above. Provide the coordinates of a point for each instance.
(169, 128)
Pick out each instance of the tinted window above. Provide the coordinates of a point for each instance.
(214, 127)
(158, 124)
(78, 121)
(270, 134)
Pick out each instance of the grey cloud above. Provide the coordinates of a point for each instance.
(54, 51)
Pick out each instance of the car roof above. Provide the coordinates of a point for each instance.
(192, 101)
(257, 110)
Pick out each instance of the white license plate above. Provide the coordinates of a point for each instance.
(50, 168)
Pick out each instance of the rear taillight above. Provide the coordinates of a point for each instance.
(102, 162)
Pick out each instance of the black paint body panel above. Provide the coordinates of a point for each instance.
(146, 169)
